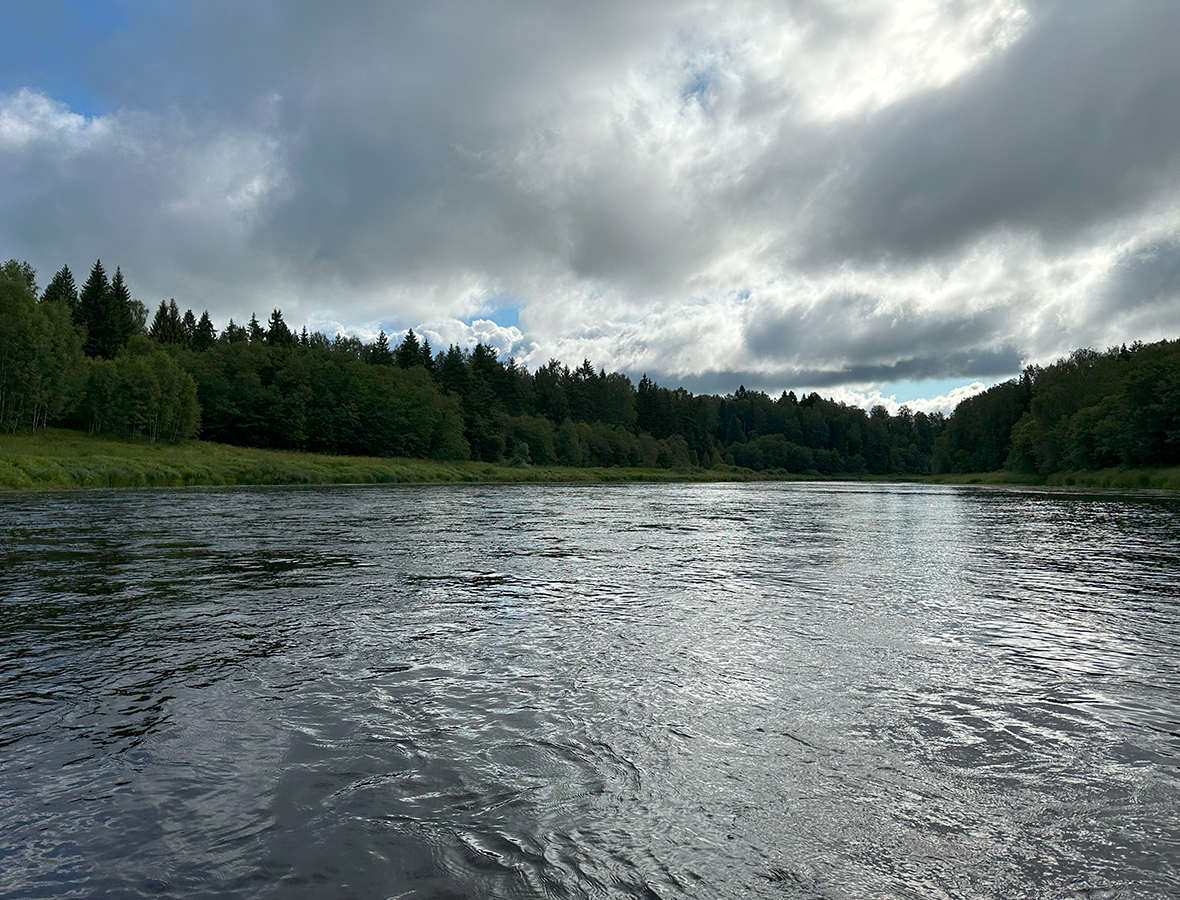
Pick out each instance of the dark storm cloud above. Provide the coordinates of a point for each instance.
(1076, 124)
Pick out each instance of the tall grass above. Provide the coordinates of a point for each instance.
(57, 458)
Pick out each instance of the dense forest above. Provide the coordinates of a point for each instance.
(90, 358)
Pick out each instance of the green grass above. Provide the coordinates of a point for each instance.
(1166, 479)
(57, 458)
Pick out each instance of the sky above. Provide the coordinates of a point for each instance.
(880, 200)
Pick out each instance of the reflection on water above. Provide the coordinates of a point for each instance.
(653, 691)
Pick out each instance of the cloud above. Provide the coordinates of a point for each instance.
(806, 194)
(509, 341)
(1145, 275)
(1075, 125)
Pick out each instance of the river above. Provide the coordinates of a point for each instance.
(819, 691)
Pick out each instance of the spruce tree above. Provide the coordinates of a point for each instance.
(254, 330)
(409, 351)
(204, 336)
(380, 354)
(167, 325)
(233, 333)
(91, 312)
(61, 289)
(176, 334)
(120, 319)
(277, 332)
(159, 325)
(189, 323)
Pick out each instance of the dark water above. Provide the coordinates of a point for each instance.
(653, 691)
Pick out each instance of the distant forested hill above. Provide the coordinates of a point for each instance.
(90, 359)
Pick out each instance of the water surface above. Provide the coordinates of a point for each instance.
(642, 691)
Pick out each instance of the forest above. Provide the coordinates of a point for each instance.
(90, 359)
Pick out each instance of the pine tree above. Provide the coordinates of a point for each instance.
(204, 336)
(91, 312)
(62, 289)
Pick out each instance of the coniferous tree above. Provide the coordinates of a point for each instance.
(168, 326)
(409, 351)
(427, 356)
(204, 335)
(91, 312)
(277, 332)
(159, 326)
(380, 354)
(233, 333)
(254, 330)
(189, 323)
(453, 375)
(119, 317)
(61, 289)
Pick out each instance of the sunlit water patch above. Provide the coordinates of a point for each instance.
(647, 691)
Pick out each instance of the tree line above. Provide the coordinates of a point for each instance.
(1089, 410)
(91, 359)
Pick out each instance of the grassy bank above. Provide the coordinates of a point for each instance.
(1167, 479)
(56, 458)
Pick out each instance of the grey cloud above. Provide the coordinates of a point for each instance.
(1077, 123)
(981, 364)
(886, 342)
(1146, 275)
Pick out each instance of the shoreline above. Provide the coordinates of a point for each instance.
(59, 459)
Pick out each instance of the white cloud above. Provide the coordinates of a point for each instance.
(509, 341)
(28, 118)
(943, 403)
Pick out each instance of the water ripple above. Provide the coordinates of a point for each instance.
(675, 691)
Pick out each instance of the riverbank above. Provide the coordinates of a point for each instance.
(1164, 479)
(55, 458)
